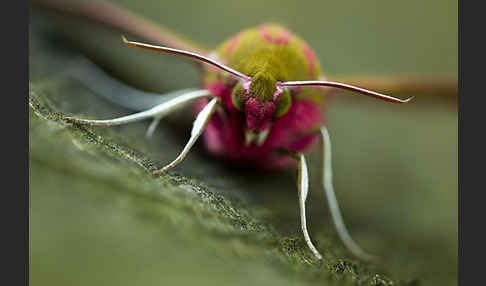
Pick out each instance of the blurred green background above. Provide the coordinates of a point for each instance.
(98, 218)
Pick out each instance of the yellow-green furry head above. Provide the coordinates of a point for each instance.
(270, 49)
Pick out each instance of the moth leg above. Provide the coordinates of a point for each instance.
(157, 112)
(199, 124)
(333, 204)
(303, 189)
(151, 128)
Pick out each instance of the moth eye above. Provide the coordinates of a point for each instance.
(282, 104)
(238, 97)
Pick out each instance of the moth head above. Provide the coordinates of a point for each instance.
(261, 99)
(260, 96)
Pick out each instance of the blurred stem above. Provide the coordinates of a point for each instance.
(121, 19)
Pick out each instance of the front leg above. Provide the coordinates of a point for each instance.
(303, 189)
(157, 113)
(198, 127)
(337, 218)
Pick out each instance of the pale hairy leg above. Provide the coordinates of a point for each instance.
(303, 189)
(337, 218)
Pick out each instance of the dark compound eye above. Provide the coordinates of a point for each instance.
(239, 97)
(283, 103)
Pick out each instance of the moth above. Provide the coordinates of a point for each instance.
(261, 102)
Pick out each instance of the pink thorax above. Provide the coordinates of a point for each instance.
(258, 113)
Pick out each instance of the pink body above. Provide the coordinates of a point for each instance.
(224, 135)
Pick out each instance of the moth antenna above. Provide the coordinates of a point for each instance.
(348, 87)
(186, 54)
